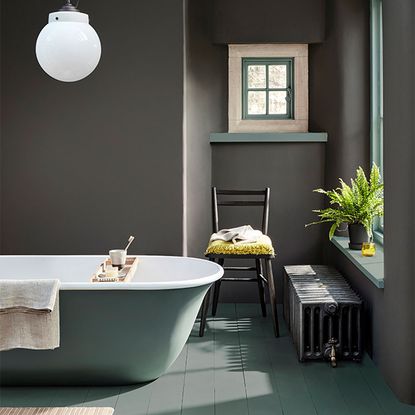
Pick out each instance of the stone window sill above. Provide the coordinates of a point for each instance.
(268, 137)
(371, 267)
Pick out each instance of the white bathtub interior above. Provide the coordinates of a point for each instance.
(75, 271)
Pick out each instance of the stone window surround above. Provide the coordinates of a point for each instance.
(300, 54)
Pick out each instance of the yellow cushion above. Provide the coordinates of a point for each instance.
(262, 247)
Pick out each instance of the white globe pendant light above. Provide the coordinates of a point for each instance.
(68, 48)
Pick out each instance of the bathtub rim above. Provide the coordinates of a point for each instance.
(142, 285)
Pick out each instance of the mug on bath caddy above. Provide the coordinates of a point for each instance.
(118, 257)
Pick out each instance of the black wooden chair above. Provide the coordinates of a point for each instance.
(242, 198)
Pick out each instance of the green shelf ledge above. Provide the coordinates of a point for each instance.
(268, 137)
(371, 267)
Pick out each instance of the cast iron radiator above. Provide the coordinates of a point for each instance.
(323, 313)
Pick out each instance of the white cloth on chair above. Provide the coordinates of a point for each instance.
(240, 235)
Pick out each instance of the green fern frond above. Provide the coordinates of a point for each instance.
(359, 202)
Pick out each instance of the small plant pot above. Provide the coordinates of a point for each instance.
(357, 235)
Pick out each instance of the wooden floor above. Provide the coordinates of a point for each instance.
(237, 368)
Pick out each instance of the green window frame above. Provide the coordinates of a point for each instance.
(377, 97)
(267, 89)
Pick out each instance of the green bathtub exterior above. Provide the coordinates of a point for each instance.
(109, 337)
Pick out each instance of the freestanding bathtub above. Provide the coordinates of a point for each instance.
(111, 333)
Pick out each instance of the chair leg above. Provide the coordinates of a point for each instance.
(260, 286)
(216, 291)
(203, 313)
(272, 297)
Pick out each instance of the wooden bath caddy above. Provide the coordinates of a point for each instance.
(126, 274)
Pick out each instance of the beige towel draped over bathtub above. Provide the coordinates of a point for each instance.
(29, 314)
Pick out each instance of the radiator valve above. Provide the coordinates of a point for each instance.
(330, 351)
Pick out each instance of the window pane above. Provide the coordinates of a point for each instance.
(277, 102)
(256, 102)
(377, 94)
(256, 76)
(277, 76)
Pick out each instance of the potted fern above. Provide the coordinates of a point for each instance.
(357, 205)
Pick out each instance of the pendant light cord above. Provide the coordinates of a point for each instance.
(69, 7)
(69, 3)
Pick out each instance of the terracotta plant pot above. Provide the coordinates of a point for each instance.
(357, 235)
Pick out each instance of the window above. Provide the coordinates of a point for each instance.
(377, 96)
(267, 88)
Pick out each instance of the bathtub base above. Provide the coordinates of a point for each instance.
(111, 337)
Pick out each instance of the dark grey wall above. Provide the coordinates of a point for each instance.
(291, 171)
(205, 112)
(340, 88)
(398, 346)
(340, 105)
(86, 164)
(63, 175)
(339, 76)
(265, 21)
(374, 304)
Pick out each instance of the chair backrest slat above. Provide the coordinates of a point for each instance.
(240, 203)
(215, 215)
(265, 215)
(263, 201)
(240, 192)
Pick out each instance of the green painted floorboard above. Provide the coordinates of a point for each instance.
(199, 382)
(355, 390)
(381, 391)
(326, 396)
(27, 396)
(167, 393)
(230, 390)
(134, 400)
(102, 396)
(239, 367)
(69, 396)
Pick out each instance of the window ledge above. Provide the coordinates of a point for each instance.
(371, 267)
(268, 137)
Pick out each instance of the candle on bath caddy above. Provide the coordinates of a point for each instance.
(111, 272)
(368, 248)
